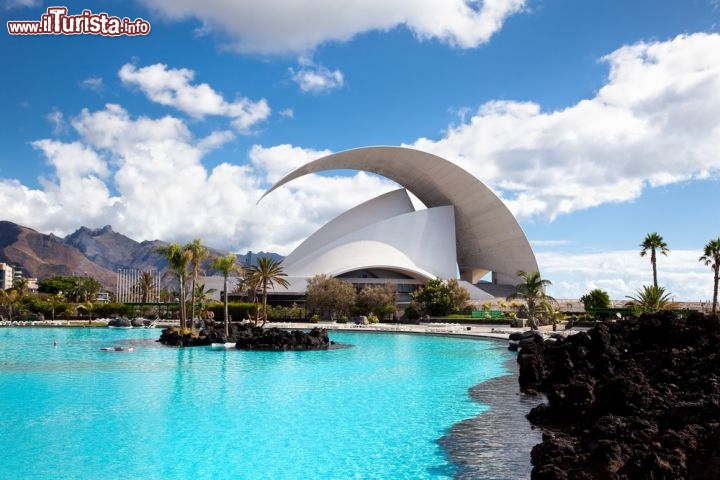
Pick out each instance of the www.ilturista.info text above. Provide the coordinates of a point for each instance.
(57, 22)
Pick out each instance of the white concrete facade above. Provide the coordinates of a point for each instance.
(384, 233)
(466, 228)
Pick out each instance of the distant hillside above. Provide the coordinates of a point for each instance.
(112, 250)
(250, 258)
(46, 256)
(98, 253)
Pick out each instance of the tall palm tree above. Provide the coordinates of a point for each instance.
(226, 265)
(146, 286)
(532, 291)
(203, 295)
(245, 286)
(198, 254)
(5, 300)
(653, 243)
(265, 274)
(14, 305)
(711, 257)
(21, 285)
(250, 285)
(178, 260)
(56, 300)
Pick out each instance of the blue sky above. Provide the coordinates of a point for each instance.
(596, 122)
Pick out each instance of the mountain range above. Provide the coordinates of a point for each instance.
(98, 253)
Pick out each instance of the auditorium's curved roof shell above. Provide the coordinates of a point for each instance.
(487, 236)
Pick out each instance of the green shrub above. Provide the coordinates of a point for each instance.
(412, 311)
(280, 312)
(373, 318)
(435, 298)
(315, 318)
(342, 319)
(109, 310)
(596, 299)
(237, 310)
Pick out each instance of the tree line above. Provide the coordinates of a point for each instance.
(656, 296)
(647, 299)
(186, 262)
(328, 297)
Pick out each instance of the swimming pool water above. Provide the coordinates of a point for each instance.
(375, 410)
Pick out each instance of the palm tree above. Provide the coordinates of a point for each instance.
(14, 305)
(198, 255)
(146, 286)
(56, 300)
(5, 301)
(265, 274)
(711, 257)
(178, 259)
(650, 299)
(88, 307)
(551, 309)
(653, 242)
(226, 265)
(245, 286)
(202, 295)
(21, 285)
(250, 284)
(532, 291)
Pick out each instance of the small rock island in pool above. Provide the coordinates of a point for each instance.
(250, 337)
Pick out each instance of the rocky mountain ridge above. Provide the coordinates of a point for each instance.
(98, 253)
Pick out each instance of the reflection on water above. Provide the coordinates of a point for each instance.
(496, 444)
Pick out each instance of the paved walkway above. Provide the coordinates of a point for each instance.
(450, 329)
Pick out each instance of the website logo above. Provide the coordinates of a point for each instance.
(57, 22)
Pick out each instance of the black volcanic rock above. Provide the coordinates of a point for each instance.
(629, 400)
(249, 337)
(173, 338)
(256, 338)
(120, 322)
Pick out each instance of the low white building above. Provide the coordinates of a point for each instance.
(6, 276)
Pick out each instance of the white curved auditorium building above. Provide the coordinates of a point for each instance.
(465, 230)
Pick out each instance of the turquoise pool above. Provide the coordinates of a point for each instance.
(375, 410)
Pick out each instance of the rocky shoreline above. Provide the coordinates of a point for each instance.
(638, 398)
(249, 337)
(495, 444)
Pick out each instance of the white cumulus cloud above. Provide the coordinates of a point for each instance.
(313, 78)
(174, 88)
(278, 26)
(93, 83)
(57, 120)
(275, 162)
(13, 4)
(656, 121)
(146, 177)
(624, 272)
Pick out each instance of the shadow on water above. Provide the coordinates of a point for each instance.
(496, 444)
